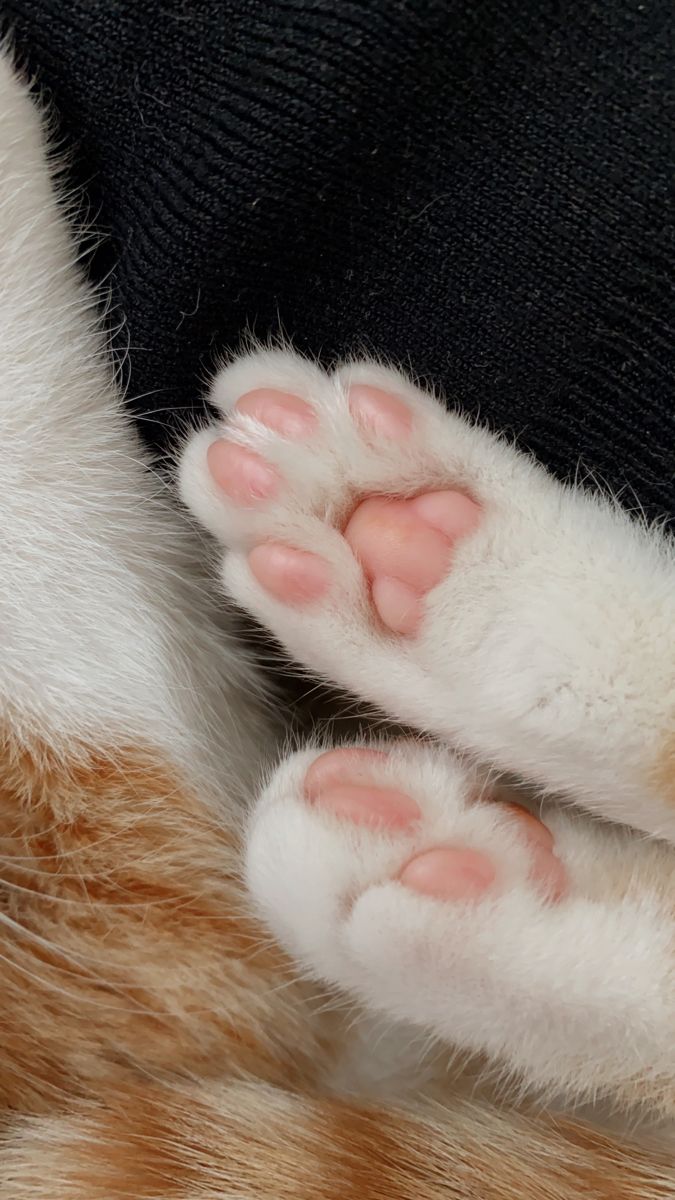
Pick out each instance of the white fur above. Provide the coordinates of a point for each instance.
(108, 633)
(577, 997)
(547, 650)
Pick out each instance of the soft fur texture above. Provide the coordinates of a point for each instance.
(157, 1044)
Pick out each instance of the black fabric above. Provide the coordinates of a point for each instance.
(479, 189)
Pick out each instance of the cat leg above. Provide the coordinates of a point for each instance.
(546, 945)
(100, 574)
(429, 567)
(129, 729)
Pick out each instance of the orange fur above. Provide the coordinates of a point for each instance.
(257, 1143)
(663, 776)
(125, 944)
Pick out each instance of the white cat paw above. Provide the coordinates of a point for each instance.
(428, 566)
(394, 876)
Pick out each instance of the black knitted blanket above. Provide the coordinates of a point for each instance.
(481, 189)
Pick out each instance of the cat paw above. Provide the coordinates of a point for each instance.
(398, 877)
(333, 826)
(426, 565)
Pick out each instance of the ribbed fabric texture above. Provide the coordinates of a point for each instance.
(481, 189)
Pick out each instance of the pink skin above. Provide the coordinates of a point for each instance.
(294, 576)
(284, 413)
(243, 475)
(405, 548)
(450, 873)
(379, 413)
(338, 782)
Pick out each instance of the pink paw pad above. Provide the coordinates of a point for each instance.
(546, 870)
(450, 873)
(340, 782)
(380, 413)
(405, 548)
(461, 873)
(292, 576)
(283, 412)
(241, 473)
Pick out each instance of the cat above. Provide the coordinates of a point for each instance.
(362, 978)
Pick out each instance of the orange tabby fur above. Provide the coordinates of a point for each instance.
(129, 945)
(664, 773)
